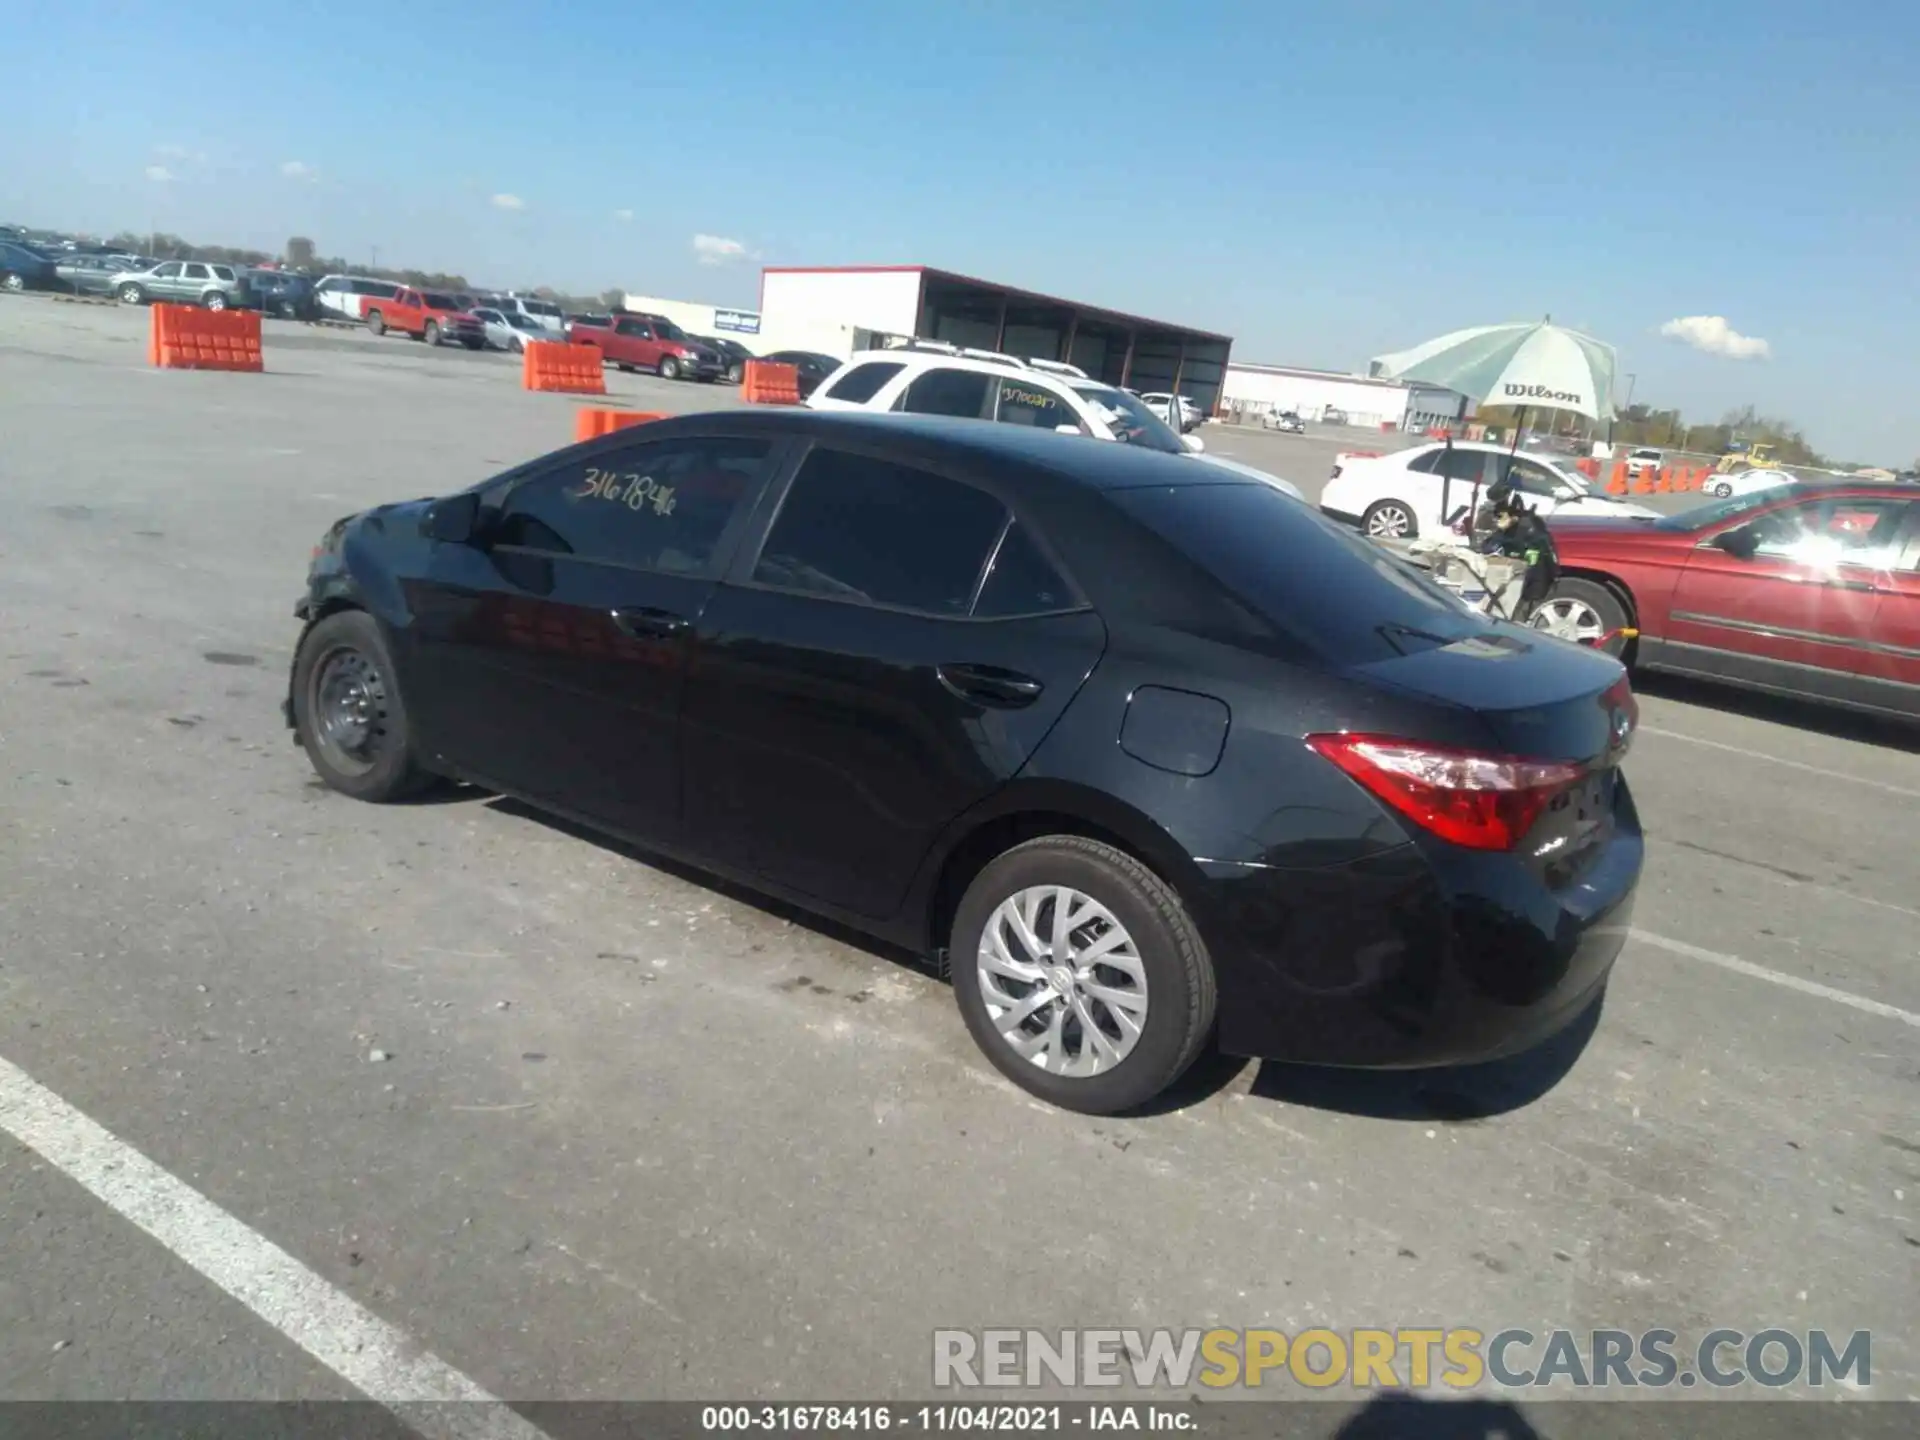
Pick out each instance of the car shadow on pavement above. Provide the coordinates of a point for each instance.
(1800, 714)
(718, 884)
(1450, 1095)
(1397, 1415)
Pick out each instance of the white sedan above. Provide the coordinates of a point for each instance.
(1399, 496)
(1746, 482)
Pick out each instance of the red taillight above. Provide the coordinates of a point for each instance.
(1475, 799)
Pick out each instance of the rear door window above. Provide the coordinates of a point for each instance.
(1337, 595)
(1020, 402)
(863, 382)
(196, 272)
(1022, 581)
(662, 506)
(940, 391)
(856, 528)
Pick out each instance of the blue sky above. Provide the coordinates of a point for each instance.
(1323, 182)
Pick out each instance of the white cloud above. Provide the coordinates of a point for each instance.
(159, 173)
(623, 214)
(508, 202)
(716, 249)
(299, 170)
(1712, 334)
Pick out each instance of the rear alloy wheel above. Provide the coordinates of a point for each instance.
(1720, 489)
(131, 295)
(374, 323)
(1389, 520)
(1581, 611)
(1080, 974)
(669, 368)
(348, 712)
(734, 371)
(214, 300)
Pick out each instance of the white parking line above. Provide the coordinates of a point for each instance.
(1882, 785)
(1778, 977)
(378, 1359)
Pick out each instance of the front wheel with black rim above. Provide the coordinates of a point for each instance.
(1390, 520)
(1583, 612)
(348, 712)
(669, 368)
(1080, 974)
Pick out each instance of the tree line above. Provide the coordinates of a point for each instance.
(1667, 429)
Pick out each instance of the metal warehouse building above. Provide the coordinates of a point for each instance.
(837, 310)
(1258, 389)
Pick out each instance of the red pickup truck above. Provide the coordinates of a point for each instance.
(647, 342)
(426, 315)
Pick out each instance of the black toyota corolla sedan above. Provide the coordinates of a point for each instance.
(1152, 756)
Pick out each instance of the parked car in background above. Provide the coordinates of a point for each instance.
(284, 293)
(1285, 421)
(1156, 760)
(1333, 415)
(1811, 590)
(24, 268)
(345, 296)
(1161, 402)
(966, 386)
(810, 366)
(590, 317)
(510, 330)
(185, 282)
(1399, 496)
(429, 315)
(542, 312)
(649, 342)
(1747, 482)
(1643, 462)
(92, 273)
(733, 356)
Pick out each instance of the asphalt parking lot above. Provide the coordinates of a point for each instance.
(572, 1125)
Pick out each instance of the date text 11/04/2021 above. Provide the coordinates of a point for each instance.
(937, 1419)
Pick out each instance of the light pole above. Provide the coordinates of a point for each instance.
(1627, 406)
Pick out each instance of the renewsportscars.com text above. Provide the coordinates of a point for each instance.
(1458, 1358)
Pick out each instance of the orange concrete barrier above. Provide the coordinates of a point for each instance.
(1663, 481)
(1643, 483)
(1588, 466)
(1682, 478)
(185, 337)
(568, 369)
(765, 383)
(1617, 480)
(589, 424)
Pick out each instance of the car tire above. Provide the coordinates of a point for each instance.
(1720, 489)
(214, 300)
(474, 344)
(375, 323)
(131, 295)
(348, 712)
(1582, 611)
(734, 372)
(669, 368)
(519, 347)
(12, 281)
(1167, 968)
(1389, 520)
(431, 334)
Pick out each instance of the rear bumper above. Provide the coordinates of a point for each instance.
(1420, 956)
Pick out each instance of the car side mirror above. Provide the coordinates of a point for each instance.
(1193, 443)
(1739, 542)
(453, 521)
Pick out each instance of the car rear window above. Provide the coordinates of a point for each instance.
(1337, 595)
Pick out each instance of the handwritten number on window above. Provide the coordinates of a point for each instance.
(636, 492)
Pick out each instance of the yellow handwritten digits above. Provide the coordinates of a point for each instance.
(636, 492)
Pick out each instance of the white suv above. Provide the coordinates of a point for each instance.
(925, 381)
(1399, 496)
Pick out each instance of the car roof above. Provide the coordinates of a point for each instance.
(1081, 462)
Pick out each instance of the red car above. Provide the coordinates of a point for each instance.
(1807, 590)
(646, 342)
(427, 315)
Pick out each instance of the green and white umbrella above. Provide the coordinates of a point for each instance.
(1539, 366)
